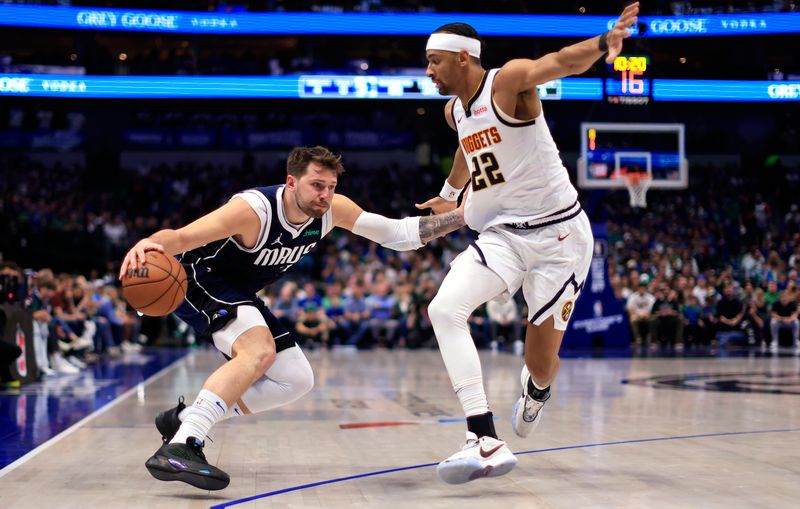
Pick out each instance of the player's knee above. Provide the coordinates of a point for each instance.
(442, 312)
(263, 359)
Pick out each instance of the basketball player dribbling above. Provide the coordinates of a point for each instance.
(229, 255)
(533, 233)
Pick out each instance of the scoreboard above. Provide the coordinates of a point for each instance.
(629, 82)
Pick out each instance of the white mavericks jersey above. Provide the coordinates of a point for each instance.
(517, 175)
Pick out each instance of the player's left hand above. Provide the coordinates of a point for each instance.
(621, 31)
(438, 204)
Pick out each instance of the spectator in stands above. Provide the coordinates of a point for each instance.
(784, 316)
(731, 316)
(639, 307)
(701, 290)
(309, 296)
(313, 327)
(694, 322)
(757, 314)
(356, 314)
(44, 322)
(285, 306)
(402, 309)
(505, 323)
(667, 321)
(772, 294)
(382, 321)
(333, 306)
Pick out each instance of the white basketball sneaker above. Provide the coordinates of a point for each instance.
(480, 457)
(527, 413)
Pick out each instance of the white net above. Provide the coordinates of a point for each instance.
(637, 185)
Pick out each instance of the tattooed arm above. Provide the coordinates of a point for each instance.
(398, 234)
(431, 227)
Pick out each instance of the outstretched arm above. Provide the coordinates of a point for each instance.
(234, 218)
(398, 234)
(523, 74)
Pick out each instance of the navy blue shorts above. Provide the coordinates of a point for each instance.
(209, 306)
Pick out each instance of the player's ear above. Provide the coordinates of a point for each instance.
(291, 182)
(463, 58)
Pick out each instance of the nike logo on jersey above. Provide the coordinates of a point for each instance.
(491, 451)
(282, 255)
(560, 238)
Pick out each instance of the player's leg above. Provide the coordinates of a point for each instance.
(468, 285)
(289, 378)
(249, 342)
(551, 289)
(542, 343)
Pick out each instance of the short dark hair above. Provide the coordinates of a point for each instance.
(300, 157)
(465, 30)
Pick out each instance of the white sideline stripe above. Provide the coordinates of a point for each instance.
(72, 429)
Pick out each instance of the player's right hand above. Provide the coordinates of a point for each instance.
(438, 204)
(136, 256)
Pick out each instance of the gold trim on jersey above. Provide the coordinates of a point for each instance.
(475, 95)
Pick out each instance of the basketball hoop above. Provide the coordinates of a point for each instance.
(638, 184)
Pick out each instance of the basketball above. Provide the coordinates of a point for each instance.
(158, 288)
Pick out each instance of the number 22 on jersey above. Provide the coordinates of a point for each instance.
(486, 171)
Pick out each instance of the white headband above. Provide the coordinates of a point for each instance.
(454, 43)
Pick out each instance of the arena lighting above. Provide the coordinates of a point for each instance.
(84, 18)
(369, 87)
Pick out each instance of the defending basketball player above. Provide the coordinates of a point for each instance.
(229, 255)
(533, 232)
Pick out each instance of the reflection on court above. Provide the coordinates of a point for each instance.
(677, 434)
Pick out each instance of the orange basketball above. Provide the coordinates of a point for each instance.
(157, 288)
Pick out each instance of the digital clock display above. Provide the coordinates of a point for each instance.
(629, 84)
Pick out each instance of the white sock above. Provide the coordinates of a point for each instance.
(206, 411)
(233, 411)
(472, 396)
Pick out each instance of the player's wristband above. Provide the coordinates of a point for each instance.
(449, 192)
(602, 45)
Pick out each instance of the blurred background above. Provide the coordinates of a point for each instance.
(121, 118)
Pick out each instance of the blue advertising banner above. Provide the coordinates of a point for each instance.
(232, 87)
(523, 25)
(599, 319)
(367, 87)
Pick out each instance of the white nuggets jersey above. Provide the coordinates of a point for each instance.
(517, 175)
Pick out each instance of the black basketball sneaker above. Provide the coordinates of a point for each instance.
(168, 422)
(187, 463)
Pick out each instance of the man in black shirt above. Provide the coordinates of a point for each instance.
(784, 316)
(730, 314)
(666, 317)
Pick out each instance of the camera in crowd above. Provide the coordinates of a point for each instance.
(11, 291)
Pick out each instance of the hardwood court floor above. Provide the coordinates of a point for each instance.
(682, 432)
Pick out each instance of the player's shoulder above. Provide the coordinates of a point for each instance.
(512, 72)
(268, 192)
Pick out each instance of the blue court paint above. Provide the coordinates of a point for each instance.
(553, 449)
(34, 413)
